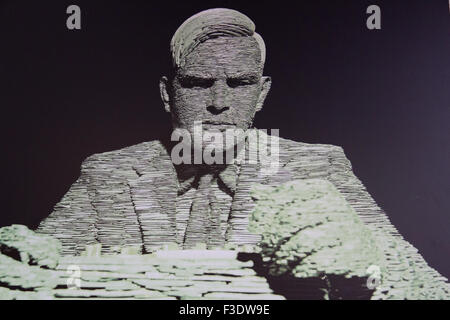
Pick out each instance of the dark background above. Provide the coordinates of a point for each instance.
(383, 95)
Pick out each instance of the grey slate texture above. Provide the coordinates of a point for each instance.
(126, 198)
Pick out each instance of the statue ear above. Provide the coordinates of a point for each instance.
(164, 90)
(266, 83)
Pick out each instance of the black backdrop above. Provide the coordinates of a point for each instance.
(383, 95)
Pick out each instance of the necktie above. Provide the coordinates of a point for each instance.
(204, 220)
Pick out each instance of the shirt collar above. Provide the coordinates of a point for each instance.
(188, 176)
(227, 174)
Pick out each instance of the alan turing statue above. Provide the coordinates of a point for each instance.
(141, 197)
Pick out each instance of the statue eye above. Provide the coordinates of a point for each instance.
(239, 82)
(195, 82)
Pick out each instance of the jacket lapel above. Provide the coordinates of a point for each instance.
(243, 204)
(154, 195)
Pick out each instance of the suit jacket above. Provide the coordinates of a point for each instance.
(127, 197)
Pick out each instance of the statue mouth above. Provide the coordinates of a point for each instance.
(208, 122)
(218, 125)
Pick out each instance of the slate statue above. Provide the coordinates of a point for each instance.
(138, 197)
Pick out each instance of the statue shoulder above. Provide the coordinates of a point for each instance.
(123, 158)
(297, 149)
(312, 159)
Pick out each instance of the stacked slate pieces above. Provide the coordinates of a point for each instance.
(408, 276)
(128, 197)
(310, 232)
(166, 275)
(74, 231)
(22, 244)
(21, 281)
(313, 237)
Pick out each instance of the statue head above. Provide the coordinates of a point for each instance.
(217, 77)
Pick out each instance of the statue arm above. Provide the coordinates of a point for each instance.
(405, 261)
(74, 217)
(354, 191)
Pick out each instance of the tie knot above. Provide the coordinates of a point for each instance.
(206, 180)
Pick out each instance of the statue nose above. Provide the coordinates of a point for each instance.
(215, 110)
(219, 97)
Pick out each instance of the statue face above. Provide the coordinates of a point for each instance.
(219, 85)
